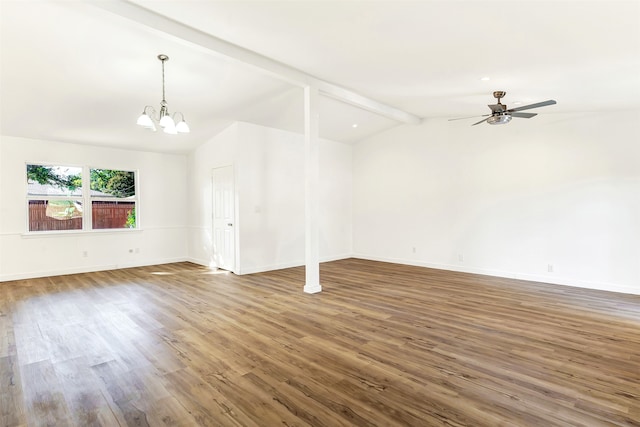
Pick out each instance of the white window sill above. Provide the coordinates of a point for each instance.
(62, 233)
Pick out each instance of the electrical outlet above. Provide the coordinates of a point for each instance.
(461, 257)
(550, 268)
(413, 249)
(85, 254)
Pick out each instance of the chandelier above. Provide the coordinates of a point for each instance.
(149, 116)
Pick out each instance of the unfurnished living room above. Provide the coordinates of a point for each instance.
(319, 213)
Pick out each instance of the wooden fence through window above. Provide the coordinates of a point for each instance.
(104, 215)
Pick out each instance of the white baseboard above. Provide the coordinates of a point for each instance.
(280, 266)
(198, 261)
(563, 281)
(85, 269)
(270, 267)
(61, 272)
(104, 267)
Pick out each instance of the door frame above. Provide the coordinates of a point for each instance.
(236, 223)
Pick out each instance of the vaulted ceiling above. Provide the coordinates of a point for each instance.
(73, 71)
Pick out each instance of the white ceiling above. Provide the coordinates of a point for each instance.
(75, 72)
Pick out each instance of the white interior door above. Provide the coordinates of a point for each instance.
(224, 248)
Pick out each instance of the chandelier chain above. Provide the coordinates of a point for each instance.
(163, 97)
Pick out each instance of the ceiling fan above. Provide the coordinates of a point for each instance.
(501, 115)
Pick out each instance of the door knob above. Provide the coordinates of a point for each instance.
(230, 224)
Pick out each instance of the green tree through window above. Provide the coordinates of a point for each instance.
(118, 183)
(48, 175)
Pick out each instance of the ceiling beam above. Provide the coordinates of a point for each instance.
(265, 64)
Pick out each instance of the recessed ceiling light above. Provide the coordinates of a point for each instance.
(355, 125)
(485, 79)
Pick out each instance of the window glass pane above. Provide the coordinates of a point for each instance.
(113, 214)
(51, 215)
(54, 180)
(112, 183)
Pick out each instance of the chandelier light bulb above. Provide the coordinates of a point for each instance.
(182, 127)
(170, 129)
(144, 120)
(167, 121)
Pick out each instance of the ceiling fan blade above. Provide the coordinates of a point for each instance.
(539, 104)
(524, 115)
(469, 117)
(481, 121)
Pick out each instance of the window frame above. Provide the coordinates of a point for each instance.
(85, 198)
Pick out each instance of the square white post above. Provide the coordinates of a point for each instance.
(312, 178)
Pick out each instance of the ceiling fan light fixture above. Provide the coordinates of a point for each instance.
(148, 118)
(499, 119)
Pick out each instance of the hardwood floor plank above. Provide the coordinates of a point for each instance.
(382, 345)
(11, 406)
(207, 404)
(84, 394)
(45, 404)
(123, 391)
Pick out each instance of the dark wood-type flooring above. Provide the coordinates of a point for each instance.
(382, 345)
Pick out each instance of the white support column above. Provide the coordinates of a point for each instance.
(311, 194)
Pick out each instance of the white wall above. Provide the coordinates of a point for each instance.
(270, 183)
(217, 152)
(558, 192)
(162, 212)
(269, 174)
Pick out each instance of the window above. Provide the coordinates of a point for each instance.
(54, 196)
(74, 198)
(113, 199)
